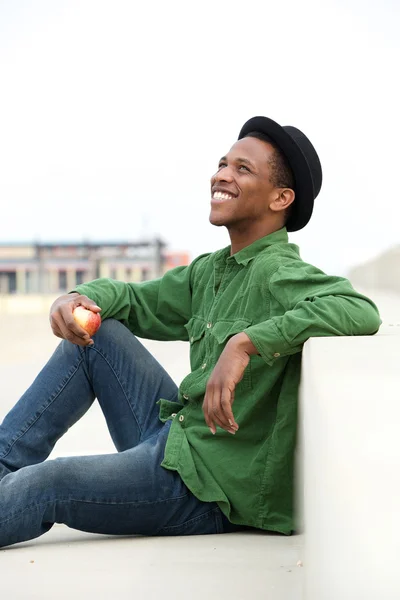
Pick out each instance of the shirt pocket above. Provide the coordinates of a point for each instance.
(196, 328)
(222, 331)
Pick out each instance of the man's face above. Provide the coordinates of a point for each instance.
(241, 189)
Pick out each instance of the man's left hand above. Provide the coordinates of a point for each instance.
(220, 390)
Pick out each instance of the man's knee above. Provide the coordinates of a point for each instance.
(111, 328)
(116, 332)
(47, 477)
(34, 483)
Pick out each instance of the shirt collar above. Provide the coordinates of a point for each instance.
(244, 256)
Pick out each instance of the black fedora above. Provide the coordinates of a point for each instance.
(303, 160)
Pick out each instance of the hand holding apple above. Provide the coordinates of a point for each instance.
(76, 328)
(87, 319)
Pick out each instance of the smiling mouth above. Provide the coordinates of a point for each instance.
(220, 196)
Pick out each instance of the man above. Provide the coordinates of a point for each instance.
(216, 454)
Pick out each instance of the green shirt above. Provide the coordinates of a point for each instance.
(279, 301)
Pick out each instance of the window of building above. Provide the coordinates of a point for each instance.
(62, 281)
(8, 282)
(80, 277)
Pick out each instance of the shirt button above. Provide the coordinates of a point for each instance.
(173, 415)
(204, 366)
(181, 418)
(277, 354)
(191, 340)
(209, 325)
(186, 396)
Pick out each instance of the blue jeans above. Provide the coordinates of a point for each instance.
(127, 492)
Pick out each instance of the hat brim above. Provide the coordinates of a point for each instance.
(304, 189)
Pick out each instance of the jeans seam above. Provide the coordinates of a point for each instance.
(218, 521)
(49, 501)
(31, 423)
(118, 378)
(124, 503)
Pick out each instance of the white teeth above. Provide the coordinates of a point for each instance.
(222, 196)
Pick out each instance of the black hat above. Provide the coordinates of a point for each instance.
(303, 160)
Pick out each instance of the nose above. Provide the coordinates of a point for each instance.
(225, 173)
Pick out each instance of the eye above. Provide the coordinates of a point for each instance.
(221, 165)
(244, 167)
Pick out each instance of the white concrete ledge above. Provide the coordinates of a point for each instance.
(349, 421)
(67, 564)
(350, 451)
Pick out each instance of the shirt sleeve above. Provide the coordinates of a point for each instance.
(156, 309)
(305, 302)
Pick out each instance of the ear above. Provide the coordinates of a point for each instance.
(283, 198)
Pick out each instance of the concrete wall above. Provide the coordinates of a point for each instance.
(348, 470)
(349, 458)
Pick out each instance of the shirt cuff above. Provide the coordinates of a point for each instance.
(269, 341)
(85, 289)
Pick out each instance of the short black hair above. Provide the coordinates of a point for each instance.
(281, 173)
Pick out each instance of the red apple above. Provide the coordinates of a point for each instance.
(90, 321)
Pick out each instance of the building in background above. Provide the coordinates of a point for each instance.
(59, 267)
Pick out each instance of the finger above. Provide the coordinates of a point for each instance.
(78, 341)
(223, 426)
(226, 405)
(217, 413)
(67, 322)
(56, 331)
(232, 401)
(70, 335)
(212, 418)
(206, 411)
(53, 324)
(55, 328)
(216, 408)
(87, 303)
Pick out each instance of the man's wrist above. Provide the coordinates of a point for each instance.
(243, 342)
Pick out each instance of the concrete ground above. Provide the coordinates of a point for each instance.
(65, 563)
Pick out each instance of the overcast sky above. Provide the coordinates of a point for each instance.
(114, 114)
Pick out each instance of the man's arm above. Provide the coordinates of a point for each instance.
(305, 302)
(156, 309)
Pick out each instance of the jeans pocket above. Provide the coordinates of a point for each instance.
(205, 524)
